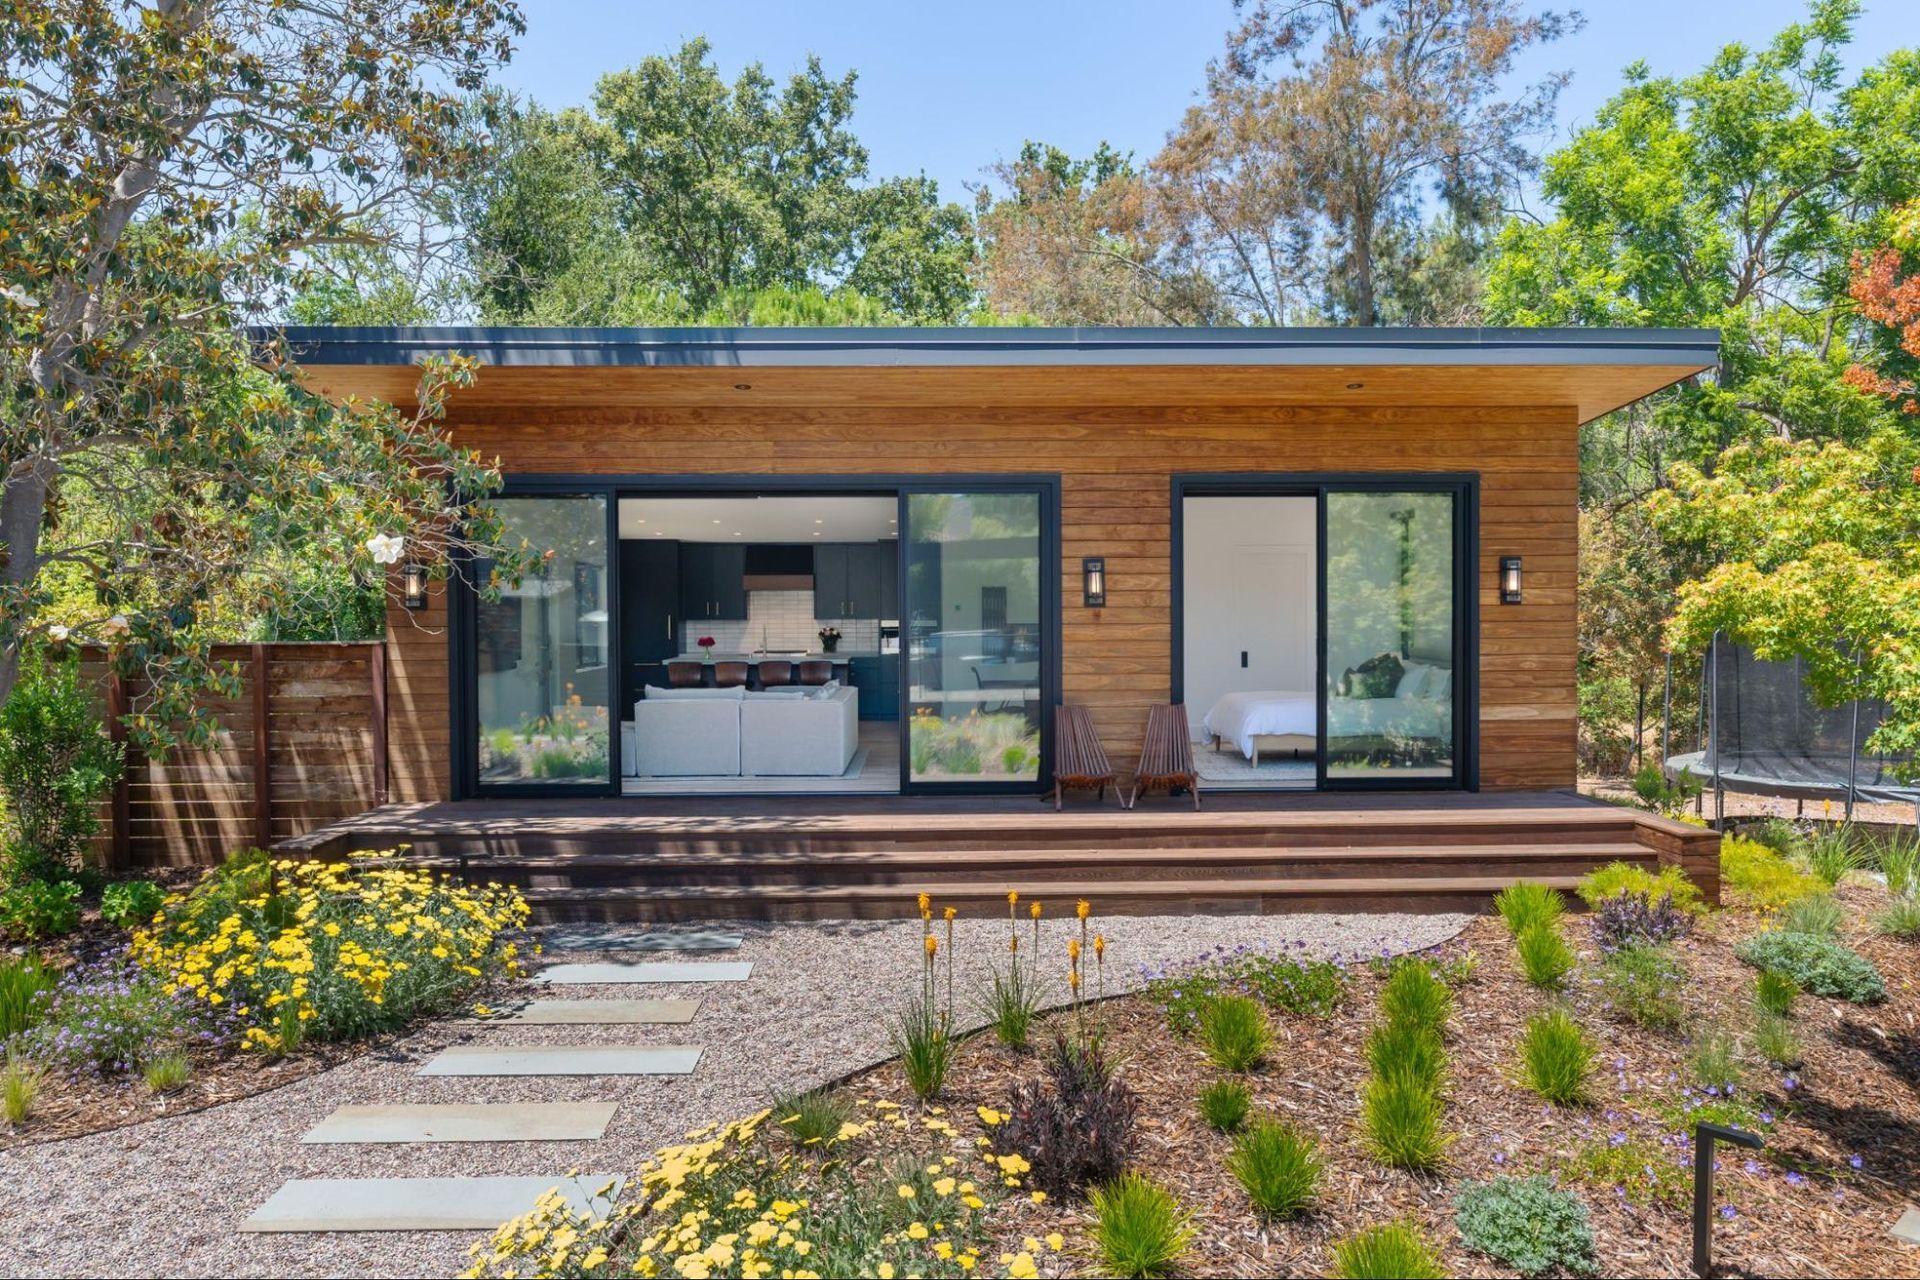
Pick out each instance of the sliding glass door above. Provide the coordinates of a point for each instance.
(980, 593)
(543, 652)
(1391, 572)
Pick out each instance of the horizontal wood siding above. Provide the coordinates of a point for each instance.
(1116, 463)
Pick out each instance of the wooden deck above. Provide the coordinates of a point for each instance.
(856, 856)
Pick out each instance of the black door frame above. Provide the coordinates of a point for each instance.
(463, 603)
(1465, 488)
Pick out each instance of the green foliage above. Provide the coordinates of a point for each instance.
(921, 1038)
(1414, 996)
(1759, 877)
(108, 1021)
(812, 1118)
(1235, 1032)
(21, 1080)
(1224, 1105)
(24, 986)
(1139, 1229)
(1400, 1119)
(1642, 984)
(1617, 878)
(1527, 1224)
(1643, 1171)
(1783, 837)
(1774, 993)
(1398, 1048)
(167, 1072)
(1300, 987)
(1815, 913)
(1545, 957)
(1279, 1167)
(36, 909)
(1714, 1060)
(1897, 855)
(1525, 904)
(1012, 1001)
(56, 764)
(1393, 1251)
(1832, 853)
(1818, 963)
(1556, 1057)
(1656, 791)
(128, 903)
(1775, 1040)
(1901, 919)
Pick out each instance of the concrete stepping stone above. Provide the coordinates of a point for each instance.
(466, 1122)
(421, 1204)
(564, 1060)
(580, 1013)
(1908, 1227)
(648, 971)
(601, 937)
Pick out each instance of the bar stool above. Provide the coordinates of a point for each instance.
(775, 672)
(729, 675)
(815, 672)
(685, 675)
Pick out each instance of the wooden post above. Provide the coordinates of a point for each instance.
(262, 745)
(120, 828)
(377, 665)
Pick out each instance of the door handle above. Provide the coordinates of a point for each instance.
(669, 626)
(1243, 657)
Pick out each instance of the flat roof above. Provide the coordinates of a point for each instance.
(556, 347)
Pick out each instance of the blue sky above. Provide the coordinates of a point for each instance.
(948, 88)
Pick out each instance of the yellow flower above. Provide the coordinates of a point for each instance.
(1021, 1266)
(1083, 908)
(1034, 910)
(1073, 950)
(1013, 896)
(933, 945)
(906, 1192)
(1039, 1197)
(926, 903)
(1099, 946)
(950, 912)
(1056, 1241)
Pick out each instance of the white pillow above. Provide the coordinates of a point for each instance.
(1440, 687)
(1413, 680)
(734, 694)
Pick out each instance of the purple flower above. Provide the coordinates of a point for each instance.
(1728, 1211)
(1853, 1162)
(1795, 1179)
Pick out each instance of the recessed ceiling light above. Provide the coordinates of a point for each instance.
(819, 521)
(716, 522)
(816, 533)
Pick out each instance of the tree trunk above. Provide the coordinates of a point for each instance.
(23, 506)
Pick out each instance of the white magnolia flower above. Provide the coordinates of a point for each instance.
(386, 548)
(58, 632)
(117, 623)
(18, 296)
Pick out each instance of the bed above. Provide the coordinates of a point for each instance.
(1264, 720)
(1267, 721)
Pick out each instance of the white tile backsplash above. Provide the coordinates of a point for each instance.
(782, 620)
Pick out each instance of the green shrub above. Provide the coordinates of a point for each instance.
(109, 1018)
(1400, 1122)
(1713, 1060)
(167, 1072)
(1617, 878)
(1774, 993)
(25, 987)
(36, 909)
(1545, 957)
(1897, 855)
(1785, 838)
(1303, 988)
(920, 1036)
(1641, 1170)
(813, 1118)
(1815, 913)
(1556, 1057)
(1279, 1167)
(1395, 1251)
(1012, 1002)
(21, 1080)
(1831, 854)
(1775, 1040)
(1642, 984)
(1235, 1032)
(56, 764)
(1224, 1105)
(1818, 963)
(1527, 1224)
(1901, 919)
(1139, 1229)
(1399, 1048)
(1525, 904)
(1415, 996)
(131, 902)
(1757, 876)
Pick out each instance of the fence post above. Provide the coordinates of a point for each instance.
(262, 748)
(377, 665)
(120, 823)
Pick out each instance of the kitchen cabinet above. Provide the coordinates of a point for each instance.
(877, 677)
(830, 580)
(712, 582)
(848, 579)
(890, 580)
(649, 599)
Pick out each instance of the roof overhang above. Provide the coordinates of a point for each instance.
(1591, 371)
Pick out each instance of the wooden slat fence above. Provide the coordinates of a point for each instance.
(322, 757)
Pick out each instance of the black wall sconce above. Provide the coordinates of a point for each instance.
(1509, 579)
(1093, 582)
(413, 585)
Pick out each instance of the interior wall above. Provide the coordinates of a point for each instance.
(1247, 585)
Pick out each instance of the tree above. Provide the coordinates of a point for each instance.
(1887, 290)
(163, 167)
(1347, 116)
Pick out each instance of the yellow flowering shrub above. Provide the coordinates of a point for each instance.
(327, 950)
(891, 1196)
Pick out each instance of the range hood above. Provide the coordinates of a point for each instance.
(779, 566)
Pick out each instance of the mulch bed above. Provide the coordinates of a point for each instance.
(1799, 1209)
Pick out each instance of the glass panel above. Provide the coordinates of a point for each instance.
(974, 632)
(542, 650)
(1390, 635)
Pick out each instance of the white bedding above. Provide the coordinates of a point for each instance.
(1240, 717)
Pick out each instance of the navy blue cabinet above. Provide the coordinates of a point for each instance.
(877, 677)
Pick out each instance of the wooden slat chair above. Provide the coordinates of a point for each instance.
(1079, 759)
(1166, 758)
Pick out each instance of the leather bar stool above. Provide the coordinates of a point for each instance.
(775, 672)
(815, 672)
(729, 675)
(685, 675)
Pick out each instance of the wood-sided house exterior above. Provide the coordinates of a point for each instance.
(1349, 554)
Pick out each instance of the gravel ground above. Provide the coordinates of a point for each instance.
(164, 1198)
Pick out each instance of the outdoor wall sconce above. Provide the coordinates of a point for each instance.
(1509, 579)
(413, 585)
(1093, 582)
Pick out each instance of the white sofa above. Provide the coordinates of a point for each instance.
(685, 733)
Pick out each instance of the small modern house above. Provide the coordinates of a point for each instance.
(856, 570)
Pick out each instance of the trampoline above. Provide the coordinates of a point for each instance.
(1761, 733)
